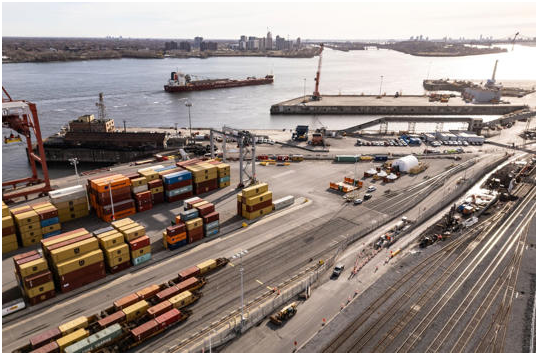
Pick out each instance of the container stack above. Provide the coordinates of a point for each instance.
(110, 196)
(256, 201)
(223, 173)
(75, 257)
(71, 202)
(157, 191)
(34, 277)
(283, 202)
(178, 186)
(27, 225)
(135, 236)
(48, 219)
(112, 242)
(175, 236)
(204, 176)
(210, 218)
(9, 235)
(143, 201)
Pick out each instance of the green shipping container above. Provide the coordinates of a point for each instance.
(347, 158)
(96, 340)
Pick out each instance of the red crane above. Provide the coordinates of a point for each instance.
(316, 96)
(21, 116)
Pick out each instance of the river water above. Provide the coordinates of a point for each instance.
(133, 88)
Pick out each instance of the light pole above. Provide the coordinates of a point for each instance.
(210, 336)
(304, 90)
(74, 162)
(240, 256)
(111, 201)
(380, 85)
(189, 105)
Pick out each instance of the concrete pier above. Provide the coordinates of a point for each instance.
(388, 105)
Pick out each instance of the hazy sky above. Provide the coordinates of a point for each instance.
(321, 20)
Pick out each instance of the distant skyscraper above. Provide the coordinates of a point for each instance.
(269, 41)
(198, 41)
(298, 42)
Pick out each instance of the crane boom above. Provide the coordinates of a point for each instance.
(514, 40)
(316, 95)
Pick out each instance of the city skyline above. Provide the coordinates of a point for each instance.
(347, 21)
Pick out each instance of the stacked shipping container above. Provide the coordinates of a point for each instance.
(135, 236)
(27, 224)
(255, 201)
(223, 173)
(34, 277)
(177, 185)
(48, 219)
(116, 251)
(71, 202)
(9, 236)
(204, 176)
(110, 196)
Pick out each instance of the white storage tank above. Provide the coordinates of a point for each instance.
(406, 163)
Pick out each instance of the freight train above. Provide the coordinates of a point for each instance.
(131, 320)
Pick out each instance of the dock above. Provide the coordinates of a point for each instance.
(388, 105)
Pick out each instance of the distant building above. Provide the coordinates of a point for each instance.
(198, 41)
(185, 46)
(269, 41)
(208, 46)
(298, 42)
(170, 45)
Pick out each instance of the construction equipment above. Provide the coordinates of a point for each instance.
(300, 134)
(514, 40)
(21, 116)
(284, 314)
(316, 96)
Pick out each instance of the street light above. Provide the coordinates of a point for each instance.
(380, 85)
(304, 90)
(210, 336)
(74, 162)
(240, 256)
(189, 105)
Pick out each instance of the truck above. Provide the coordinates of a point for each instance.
(300, 134)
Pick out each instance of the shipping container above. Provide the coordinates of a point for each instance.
(122, 222)
(126, 301)
(283, 202)
(194, 223)
(188, 273)
(96, 340)
(139, 243)
(256, 207)
(79, 262)
(39, 290)
(48, 348)
(211, 225)
(112, 240)
(145, 330)
(139, 252)
(74, 250)
(148, 292)
(175, 230)
(183, 299)
(255, 190)
(45, 337)
(116, 251)
(120, 267)
(176, 238)
(33, 267)
(168, 318)
(37, 279)
(75, 324)
(72, 338)
(251, 201)
(141, 259)
(41, 298)
(159, 309)
(211, 232)
(214, 216)
(188, 215)
(136, 310)
(134, 233)
(117, 317)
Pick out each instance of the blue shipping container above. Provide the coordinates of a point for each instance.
(211, 232)
(50, 221)
(188, 215)
(212, 225)
(141, 259)
(177, 245)
(224, 179)
(51, 234)
(177, 177)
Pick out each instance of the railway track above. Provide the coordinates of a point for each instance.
(352, 340)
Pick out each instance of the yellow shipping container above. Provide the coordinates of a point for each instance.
(38, 290)
(157, 189)
(134, 233)
(203, 178)
(75, 324)
(193, 223)
(72, 338)
(136, 310)
(79, 262)
(255, 190)
(24, 218)
(259, 213)
(6, 248)
(240, 197)
(31, 234)
(51, 228)
(30, 227)
(138, 182)
(182, 300)
(207, 266)
(119, 259)
(8, 239)
(140, 252)
(48, 242)
(5, 210)
(73, 250)
(28, 241)
(199, 204)
(111, 240)
(251, 201)
(33, 267)
(117, 251)
(122, 222)
(7, 221)
(224, 184)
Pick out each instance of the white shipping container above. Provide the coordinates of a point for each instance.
(150, 168)
(67, 194)
(283, 202)
(140, 188)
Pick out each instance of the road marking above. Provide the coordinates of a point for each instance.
(230, 263)
(283, 174)
(258, 281)
(269, 288)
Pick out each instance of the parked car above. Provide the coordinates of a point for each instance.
(465, 143)
(337, 271)
(371, 188)
(367, 197)
(357, 201)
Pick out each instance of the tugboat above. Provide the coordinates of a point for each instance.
(180, 82)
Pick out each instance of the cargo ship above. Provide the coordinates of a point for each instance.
(180, 82)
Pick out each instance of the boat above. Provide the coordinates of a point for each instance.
(180, 82)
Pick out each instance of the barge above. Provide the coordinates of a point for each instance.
(180, 82)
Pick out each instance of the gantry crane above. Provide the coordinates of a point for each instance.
(316, 96)
(21, 116)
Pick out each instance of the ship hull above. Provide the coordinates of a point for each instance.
(218, 85)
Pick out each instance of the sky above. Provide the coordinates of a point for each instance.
(308, 20)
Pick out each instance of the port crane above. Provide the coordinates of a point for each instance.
(21, 116)
(514, 40)
(316, 96)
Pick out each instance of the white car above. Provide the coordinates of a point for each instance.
(371, 188)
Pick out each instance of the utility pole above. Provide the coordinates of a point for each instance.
(380, 85)
(111, 201)
(241, 270)
(189, 105)
(304, 90)
(74, 162)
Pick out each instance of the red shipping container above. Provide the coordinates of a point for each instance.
(211, 217)
(139, 243)
(38, 279)
(188, 284)
(82, 281)
(259, 206)
(159, 309)
(48, 348)
(47, 213)
(145, 330)
(132, 176)
(188, 162)
(195, 238)
(41, 298)
(205, 186)
(119, 206)
(142, 196)
(168, 318)
(121, 194)
(177, 185)
(24, 255)
(126, 301)
(193, 202)
(175, 230)
(167, 293)
(188, 273)
(119, 267)
(74, 276)
(114, 318)
(155, 183)
(157, 198)
(239, 211)
(181, 197)
(43, 338)
(206, 209)
(195, 232)
(8, 230)
(146, 207)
